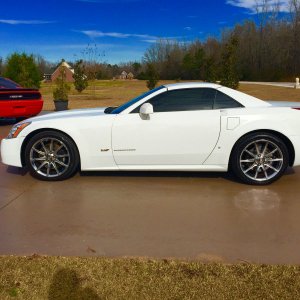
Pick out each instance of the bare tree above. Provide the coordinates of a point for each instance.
(92, 58)
(295, 17)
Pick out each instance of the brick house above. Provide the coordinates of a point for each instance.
(69, 73)
(123, 75)
(130, 76)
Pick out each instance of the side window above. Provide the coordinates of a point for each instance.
(183, 100)
(224, 101)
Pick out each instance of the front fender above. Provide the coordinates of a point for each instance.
(91, 136)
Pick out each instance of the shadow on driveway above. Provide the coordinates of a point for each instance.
(155, 174)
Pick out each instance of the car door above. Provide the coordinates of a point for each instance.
(183, 130)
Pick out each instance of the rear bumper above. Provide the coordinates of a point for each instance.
(20, 108)
(11, 151)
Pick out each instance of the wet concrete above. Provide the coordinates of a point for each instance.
(181, 215)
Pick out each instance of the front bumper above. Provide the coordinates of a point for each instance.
(11, 151)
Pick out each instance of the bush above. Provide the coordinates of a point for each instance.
(152, 76)
(211, 70)
(229, 74)
(80, 79)
(22, 69)
(62, 87)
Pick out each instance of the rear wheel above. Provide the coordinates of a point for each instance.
(260, 158)
(51, 156)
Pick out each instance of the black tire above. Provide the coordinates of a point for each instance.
(64, 155)
(265, 169)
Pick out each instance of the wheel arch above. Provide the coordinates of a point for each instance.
(33, 133)
(284, 138)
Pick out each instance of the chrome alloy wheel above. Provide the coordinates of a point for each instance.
(50, 157)
(261, 160)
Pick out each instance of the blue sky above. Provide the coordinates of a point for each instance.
(122, 29)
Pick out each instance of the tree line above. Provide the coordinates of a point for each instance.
(265, 50)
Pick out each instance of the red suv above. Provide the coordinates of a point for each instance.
(17, 102)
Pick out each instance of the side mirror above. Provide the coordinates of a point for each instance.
(146, 109)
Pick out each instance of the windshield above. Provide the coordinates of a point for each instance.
(135, 100)
(7, 84)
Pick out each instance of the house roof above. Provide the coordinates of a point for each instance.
(64, 64)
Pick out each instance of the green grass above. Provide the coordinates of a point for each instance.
(50, 278)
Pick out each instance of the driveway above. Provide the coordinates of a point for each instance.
(162, 215)
(281, 84)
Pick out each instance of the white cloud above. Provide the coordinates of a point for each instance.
(150, 41)
(188, 28)
(97, 33)
(24, 22)
(107, 1)
(146, 38)
(252, 5)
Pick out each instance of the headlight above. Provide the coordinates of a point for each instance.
(15, 131)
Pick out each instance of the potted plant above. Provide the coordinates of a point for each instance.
(61, 91)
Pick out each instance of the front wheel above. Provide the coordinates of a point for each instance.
(51, 156)
(259, 159)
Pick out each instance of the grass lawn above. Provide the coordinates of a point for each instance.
(113, 93)
(39, 277)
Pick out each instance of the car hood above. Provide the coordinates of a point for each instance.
(75, 113)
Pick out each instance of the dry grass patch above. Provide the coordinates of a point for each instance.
(267, 92)
(102, 93)
(99, 278)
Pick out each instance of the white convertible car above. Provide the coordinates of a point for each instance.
(176, 127)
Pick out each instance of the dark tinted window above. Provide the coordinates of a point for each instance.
(224, 101)
(7, 84)
(183, 100)
(131, 102)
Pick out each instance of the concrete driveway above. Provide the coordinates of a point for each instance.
(180, 215)
(281, 84)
